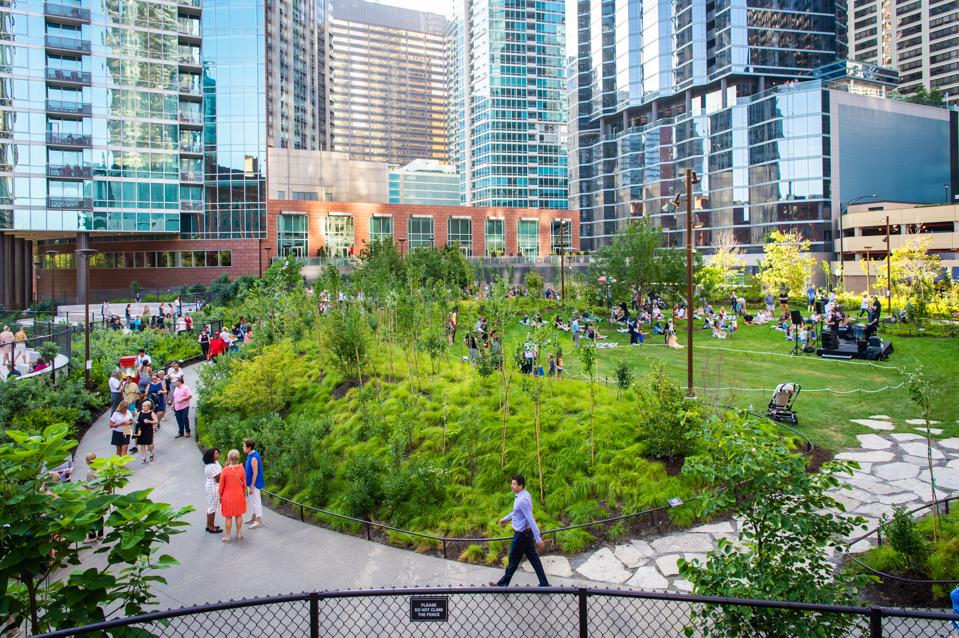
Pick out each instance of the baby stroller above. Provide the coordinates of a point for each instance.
(781, 405)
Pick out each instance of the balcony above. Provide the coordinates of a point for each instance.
(191, 148)
(191, 205)
(195, 177)
(58, 44)
(66, 13)
(190, 119)
(189, 29)
(69, 171)
(61, 107)
(72, 203)
(189, 56)
(189, 87)
(73, 140)
(68, 76)
(191, 7)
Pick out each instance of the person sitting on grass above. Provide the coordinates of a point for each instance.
(617, 316)
(559, 324)
(525, 319)
(718, 331)
(592, 332)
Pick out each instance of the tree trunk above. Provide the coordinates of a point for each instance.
(31, 585)
(592, 439)
(359, 368)
(539, 453)
(936, 523)
(505, 415)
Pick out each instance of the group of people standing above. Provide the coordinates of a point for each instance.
(139, 406)
(233, 489)
(213, 344)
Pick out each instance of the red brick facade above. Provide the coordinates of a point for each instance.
(400, 213)
(250, 257)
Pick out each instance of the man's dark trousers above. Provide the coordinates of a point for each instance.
(182, 420)
(523, 545)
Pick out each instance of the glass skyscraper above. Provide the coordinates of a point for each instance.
(508, 103)
(727, 90)
(387, 80)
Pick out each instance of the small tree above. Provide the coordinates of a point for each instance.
(45, 522)
(624, 378)
(587, 353)
(534, 284)
(787, 261)
(915, 270)
(260, 384)
(789, 522)
(346, 337)
(923, 394)
(727, 259)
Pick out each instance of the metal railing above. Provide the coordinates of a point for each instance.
(656, 514)
(877, 532)
(69, 139)
(531, 612)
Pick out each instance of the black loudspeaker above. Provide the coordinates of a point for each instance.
(830, 340)
(875, 342)
(796, 317)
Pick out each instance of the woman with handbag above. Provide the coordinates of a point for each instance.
(121, 426)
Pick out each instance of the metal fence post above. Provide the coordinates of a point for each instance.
(314, 615)
(582, 594)
(875, 622)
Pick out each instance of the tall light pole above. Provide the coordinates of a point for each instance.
(85, 254)
(53, 284)
(842, 245)
(401, 240)
(888, 270)
(691, 178)
(867, 249)
(562, 261)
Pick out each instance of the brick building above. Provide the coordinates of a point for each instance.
(308, 229)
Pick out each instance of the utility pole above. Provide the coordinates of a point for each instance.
(888, 270)
(691, 178)
(562, 261)
(85, 254)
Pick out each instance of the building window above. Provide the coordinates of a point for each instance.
(420, 232)
(527, 238)
(460, 234)
(165, 259)
(292, 235)
(561, 236)
(495, 237)
(339, 235)
(381, 228)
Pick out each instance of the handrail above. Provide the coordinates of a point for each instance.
(370, 525)
(878, 531)
(582, 594)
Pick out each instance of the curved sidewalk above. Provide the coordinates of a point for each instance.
(283, 556)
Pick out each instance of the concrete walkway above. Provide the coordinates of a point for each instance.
(283, 556)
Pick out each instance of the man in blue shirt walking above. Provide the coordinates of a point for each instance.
(526, 536)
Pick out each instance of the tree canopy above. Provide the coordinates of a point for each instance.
(636, 260)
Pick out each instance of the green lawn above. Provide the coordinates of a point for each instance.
(749, 364)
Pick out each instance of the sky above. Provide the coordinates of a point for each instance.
(443, 7)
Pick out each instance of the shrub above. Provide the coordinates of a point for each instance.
(415, 487)
(534, 284)
(911, 548)
(36, 421)
(364, 474)
(669, 421)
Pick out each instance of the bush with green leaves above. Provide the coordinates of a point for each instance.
(35, 403)
(903, 535)
(790, 525)
(45, 522)
(364, 474)
(668, 421)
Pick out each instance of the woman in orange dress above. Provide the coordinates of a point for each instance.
(233, 495)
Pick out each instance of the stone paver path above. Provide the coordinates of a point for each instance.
(893, 471)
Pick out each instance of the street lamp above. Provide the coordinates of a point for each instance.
(842, 245)
(401, 240)
(85, 254)
(867, 249)
(53, 285)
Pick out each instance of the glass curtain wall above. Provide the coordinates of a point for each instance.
(495, 237)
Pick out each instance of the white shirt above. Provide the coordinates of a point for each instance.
(115, 385)
(118, 420)
(173, 374)
(145, 359)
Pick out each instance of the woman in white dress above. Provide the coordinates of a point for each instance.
(212, 469)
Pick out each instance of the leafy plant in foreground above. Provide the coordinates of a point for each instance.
(789, 522)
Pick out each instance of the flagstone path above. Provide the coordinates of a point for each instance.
(893, 471)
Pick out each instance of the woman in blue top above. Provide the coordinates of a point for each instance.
(157, 388)
(254, 482)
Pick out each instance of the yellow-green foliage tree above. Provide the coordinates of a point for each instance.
(787, 261)
(727, 260)
(261, 384)
(914, 270)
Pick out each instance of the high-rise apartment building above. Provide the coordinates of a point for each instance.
(508, 102)
(919, 38)
(387, 98)
(749, 100)
(296, 74)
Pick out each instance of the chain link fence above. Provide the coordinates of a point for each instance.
(527, 612)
